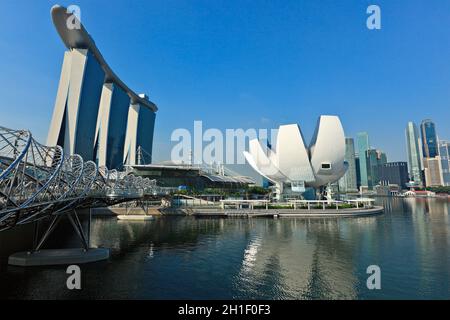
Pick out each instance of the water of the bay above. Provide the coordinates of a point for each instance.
(259, 258)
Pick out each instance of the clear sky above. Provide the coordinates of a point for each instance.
(244, 63)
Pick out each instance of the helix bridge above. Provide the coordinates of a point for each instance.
(42, 182)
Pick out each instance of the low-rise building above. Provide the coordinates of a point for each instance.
(394, 173)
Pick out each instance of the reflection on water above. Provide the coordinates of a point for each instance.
(286, 258)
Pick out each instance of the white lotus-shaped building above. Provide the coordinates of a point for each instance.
(294, 164)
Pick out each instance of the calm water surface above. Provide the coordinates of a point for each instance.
(285, 258)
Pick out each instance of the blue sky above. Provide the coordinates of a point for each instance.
(242, 64)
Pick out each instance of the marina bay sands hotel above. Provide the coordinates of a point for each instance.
(96, 115)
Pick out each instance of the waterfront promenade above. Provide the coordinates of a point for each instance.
(245, 213)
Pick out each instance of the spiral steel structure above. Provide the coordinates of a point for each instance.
(38, 181)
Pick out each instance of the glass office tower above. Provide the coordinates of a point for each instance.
(429, 139)
(413, 151)
(358, 171)
(444, 151)
(363, 147)
(375, 159)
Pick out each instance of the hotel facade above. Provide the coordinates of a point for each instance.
(96, 115)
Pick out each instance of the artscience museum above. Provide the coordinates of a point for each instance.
(292, 166)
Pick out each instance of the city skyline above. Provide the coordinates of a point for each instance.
(427, 165)
(291, 74)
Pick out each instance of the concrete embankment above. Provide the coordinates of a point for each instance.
(239, 213)
(319, 213)
(153, 211)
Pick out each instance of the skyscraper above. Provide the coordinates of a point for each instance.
(363, 146)
(444, 152)
(382, 157)
(375, 159)
(349, 181)
(433, 172)
(358, 171)
(413, 151)
(429, 139)
(432, 164)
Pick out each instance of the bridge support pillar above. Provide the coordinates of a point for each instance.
(44, 257)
